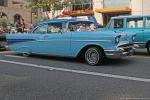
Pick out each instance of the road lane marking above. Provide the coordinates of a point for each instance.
(13, 56)
(79, 71)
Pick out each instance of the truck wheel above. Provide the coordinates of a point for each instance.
(148, 48)
(93, 56)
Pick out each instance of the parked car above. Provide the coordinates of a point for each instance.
(140, 25)
(2, 42)
(70, 38)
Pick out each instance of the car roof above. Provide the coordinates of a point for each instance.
(62, 20)
(130, 16)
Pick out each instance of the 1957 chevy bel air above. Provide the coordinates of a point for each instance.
(70, 38)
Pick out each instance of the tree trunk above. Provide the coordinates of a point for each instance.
(47, 14)
(53, 11)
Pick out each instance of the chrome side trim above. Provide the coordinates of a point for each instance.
(139, 42)
(73, 40)
(92, 41)
(51, 40)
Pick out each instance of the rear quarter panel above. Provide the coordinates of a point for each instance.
(79, 40)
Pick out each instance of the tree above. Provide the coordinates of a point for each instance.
(3, 22)
(48, 5)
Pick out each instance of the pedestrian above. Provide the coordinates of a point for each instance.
(23, 25)
(1, 30)
(19, 26)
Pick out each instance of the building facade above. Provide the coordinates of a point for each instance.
(13, 10)
(103, 10)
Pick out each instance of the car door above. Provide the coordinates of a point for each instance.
(147, 29)
(53, 40)
(57, 40)
(38, 46)
(136, 25)
(117, 25)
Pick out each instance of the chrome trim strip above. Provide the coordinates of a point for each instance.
(139, 42)
(92, 40)
(52, 40)
(110, 50)
(73, 40)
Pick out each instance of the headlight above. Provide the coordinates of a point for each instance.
(133, 37)
(117, 39)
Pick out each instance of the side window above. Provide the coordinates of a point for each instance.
(81, 26)
(117, 23)
(54, 28)
(134, 22)
(73, 26)
(148, 22)
(41, 29)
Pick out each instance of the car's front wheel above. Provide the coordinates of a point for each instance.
(93, 56)
(148, 48)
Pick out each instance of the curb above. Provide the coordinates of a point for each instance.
(7, 52)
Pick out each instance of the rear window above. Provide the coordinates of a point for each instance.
(135, 23)
(148, 22)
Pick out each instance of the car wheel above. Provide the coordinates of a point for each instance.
(93, 56)
(25, 54)
(148, 48)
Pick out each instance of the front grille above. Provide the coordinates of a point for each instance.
(127, 49)
(126, 45)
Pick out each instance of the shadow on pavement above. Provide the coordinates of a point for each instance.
(46, 57)
(117, 62)
(141, 52)
(106, 62)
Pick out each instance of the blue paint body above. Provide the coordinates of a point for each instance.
(63, 43)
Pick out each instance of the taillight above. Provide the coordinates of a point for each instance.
(2, 38)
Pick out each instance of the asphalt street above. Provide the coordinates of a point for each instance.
(53, 78)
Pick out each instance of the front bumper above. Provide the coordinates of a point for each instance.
(121, 51)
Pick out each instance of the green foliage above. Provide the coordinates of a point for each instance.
(44, 19)
(48, 5)
(3, 22)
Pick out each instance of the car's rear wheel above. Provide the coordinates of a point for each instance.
(25, 54)
(94, 56)
(148, 48)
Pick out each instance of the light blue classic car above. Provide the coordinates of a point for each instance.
(70, 38)
(140, 25)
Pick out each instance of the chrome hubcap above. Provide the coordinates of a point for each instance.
(92, 56)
